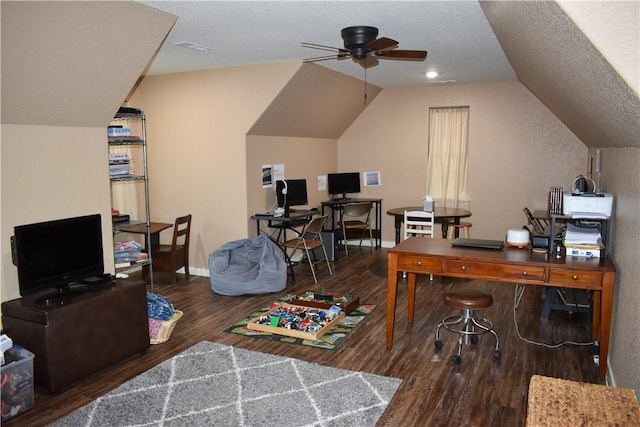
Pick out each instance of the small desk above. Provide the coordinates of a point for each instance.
(337, 204)
(154, 232)
(511, 265)
(282, 223)
(442, 215)
(295, 218)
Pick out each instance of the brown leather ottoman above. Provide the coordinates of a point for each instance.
(76, 337)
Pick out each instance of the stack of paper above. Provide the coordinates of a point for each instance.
(119, 164)
(582, 236)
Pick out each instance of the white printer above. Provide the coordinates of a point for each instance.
(582, 204)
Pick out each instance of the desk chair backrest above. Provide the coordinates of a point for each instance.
(357, 210)
(356, 216)
(310, 238)
(313, 229)
(536, 225)
(418, 223)
(170, 258)
(181, 232)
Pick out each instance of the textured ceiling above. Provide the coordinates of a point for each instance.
(556, 61)
(460, 43)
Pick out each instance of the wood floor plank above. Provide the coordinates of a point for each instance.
(434, 391)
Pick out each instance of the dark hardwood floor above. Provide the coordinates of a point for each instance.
(434, 391)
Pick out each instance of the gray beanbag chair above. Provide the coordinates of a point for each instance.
(247, 266)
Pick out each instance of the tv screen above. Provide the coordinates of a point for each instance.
(343, 183)
(296, 193)
(55, 254)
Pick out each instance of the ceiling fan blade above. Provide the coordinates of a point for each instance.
(383, 43)
(323, 58)
(320, 47)
(406, 55)
(368, 62)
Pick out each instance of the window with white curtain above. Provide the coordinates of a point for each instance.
(448, 156)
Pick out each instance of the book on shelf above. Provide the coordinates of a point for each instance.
(115, 157)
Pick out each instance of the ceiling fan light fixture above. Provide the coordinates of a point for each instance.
(362, 45)
(432, 74)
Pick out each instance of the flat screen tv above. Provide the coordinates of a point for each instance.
(53, 258)
(341, 184)
(291, 192)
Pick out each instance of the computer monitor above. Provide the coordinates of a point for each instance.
(343, 183)
(291, 192)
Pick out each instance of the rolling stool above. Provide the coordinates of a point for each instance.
(464, 227)
(467, 300)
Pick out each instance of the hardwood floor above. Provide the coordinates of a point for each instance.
(434, 391)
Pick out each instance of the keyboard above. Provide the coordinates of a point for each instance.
(304, 211)
(478, 243)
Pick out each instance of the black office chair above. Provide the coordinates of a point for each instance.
(472, 326)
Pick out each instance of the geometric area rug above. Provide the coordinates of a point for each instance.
(212, 384)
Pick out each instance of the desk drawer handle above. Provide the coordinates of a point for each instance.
(419, 263)
(463, 268)
(575, 277)
(524, 273)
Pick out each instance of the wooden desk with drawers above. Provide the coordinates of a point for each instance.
(511, 265)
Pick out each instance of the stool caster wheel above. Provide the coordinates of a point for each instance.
(474, 339)
(438, 344)
(496, 354)
(456, 359)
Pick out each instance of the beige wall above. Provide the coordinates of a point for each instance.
(621, 176)
(303, 158)
(517, 151)
(196, 129)
(60, 88)
(51, 173)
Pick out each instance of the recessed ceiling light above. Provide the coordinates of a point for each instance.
(193, 46)
(432, 74)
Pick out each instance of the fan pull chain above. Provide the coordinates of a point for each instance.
(365, 86)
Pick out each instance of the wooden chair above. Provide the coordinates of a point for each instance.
(170, 258)
(310, 244)
(418, 223)
(355, 217)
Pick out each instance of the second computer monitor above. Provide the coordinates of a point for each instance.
(341, 184)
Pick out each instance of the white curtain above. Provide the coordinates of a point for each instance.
(448, 156)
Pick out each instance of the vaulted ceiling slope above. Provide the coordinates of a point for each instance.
(315, 103)
(73, 63)
(554, 59)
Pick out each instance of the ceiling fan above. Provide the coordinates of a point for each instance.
(362, 45)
